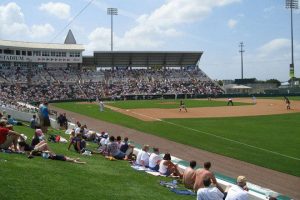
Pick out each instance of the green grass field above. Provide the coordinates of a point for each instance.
(226, 136)
(169, 103)
(38, 178)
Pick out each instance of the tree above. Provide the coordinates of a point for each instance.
(277, 82)
(220, 82)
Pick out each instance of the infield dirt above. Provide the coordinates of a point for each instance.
(262, 107)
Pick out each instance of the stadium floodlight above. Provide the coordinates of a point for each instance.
(242, 61)
(292, 4)
(112, 12)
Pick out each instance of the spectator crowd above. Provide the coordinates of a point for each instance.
(29, 85)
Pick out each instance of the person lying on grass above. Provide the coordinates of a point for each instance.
(53, 156)
(42, 149)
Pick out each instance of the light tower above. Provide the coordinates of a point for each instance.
(292, 4)
(242, 61)
(112, 12)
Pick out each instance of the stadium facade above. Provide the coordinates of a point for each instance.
(31, 54)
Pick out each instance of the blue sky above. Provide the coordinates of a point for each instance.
(213, 26)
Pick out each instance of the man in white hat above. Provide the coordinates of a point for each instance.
(239, 191)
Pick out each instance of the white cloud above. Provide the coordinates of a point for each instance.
(232, 23)
(40, 31)
(100, 38)
(11, 19)
(152, 30)
(57, 9)
(13, 24)
(273, 46)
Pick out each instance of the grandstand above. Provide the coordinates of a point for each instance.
(60, 72)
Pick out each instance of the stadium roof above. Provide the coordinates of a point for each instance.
(146, 58)
(35, 45)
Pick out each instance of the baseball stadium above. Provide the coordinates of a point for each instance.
(59, 103)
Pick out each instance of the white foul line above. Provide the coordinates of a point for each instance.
(217, 136)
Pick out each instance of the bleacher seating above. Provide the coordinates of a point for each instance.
(30, 84)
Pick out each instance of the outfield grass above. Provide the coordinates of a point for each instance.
(278, 133)
(169, 103)
(38, 178)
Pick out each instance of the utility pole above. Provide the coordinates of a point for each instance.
(242, 63)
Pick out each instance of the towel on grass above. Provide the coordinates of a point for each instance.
(183, 191)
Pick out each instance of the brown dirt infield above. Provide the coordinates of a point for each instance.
(277, 181)
(262, 107)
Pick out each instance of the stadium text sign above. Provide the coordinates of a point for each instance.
(11, 58)
(40, 59)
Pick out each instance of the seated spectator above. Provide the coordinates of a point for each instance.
(8, 138)
(38, 137)
(79, 143)
(124, 145)
(209, 193)
(203, 173)
(189, 175)
(167, 167)
(127, 148)
(33, 122)
(90, 136)
(72, 137)
(113, 150)
(119, 141)
(143, 157)
(103, 142)
(239, 191)
(12, 121)
(154, 160)
(78, 124)
(33, 150)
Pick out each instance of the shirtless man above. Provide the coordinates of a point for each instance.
(201, 174)
(189, 175)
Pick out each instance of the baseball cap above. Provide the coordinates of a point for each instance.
(241, 179)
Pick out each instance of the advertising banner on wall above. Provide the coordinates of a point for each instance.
(39, 59)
